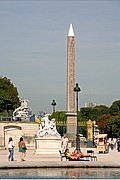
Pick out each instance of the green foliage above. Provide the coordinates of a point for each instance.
(59, 116)
(85, 113)
(94, 113)
(9, 99)
(113, 125)
(102, 109)
(107, 119)
(115, 107)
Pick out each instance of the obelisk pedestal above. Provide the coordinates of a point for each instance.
(71, 125)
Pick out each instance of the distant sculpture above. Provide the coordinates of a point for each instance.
(23, 112)
(47, 128)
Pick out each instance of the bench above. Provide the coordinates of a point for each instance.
(91, 152)
(62, 155)
(79, 159)
(92, 157)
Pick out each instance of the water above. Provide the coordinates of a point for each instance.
(60, 173)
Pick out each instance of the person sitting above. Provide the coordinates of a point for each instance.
(67, 154)
(82, 155)
(75, 155)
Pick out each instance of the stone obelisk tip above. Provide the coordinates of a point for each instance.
(71, 32)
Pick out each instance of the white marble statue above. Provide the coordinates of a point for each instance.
(23, 111)
(47, 128)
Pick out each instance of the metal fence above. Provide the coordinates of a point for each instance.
(6, 118)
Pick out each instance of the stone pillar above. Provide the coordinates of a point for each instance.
(71, 100)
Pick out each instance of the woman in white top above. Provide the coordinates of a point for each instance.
(11, 149)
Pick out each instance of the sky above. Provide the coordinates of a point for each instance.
(33, 50)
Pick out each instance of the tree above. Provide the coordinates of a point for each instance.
(87, 113)
(59, 116)
(107, 119)
(115, 107)
(102, 110)
(9, 99)
(102, 124)
(113, 126)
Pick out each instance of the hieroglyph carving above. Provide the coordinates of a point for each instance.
(71, 75)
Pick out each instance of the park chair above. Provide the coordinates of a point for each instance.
(93, 157)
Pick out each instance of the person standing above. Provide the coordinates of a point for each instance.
(64, 143)
(11, 149)
(112, 143)
(22, 149)
(118, 144)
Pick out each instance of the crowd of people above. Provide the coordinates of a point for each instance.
(64, 145)
(114, 143)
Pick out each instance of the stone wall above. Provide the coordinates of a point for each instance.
(28, 130)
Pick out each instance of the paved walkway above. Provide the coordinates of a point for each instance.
(111, 159)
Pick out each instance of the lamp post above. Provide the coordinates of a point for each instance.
(94, 132)
(53, 104)
(77, 89)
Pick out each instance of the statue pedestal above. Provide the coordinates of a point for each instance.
(47, 145)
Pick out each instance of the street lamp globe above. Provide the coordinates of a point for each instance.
(53, 104)
(77, 88)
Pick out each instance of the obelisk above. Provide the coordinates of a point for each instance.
(71, 101)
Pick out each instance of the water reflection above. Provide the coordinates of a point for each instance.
(68, 173)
